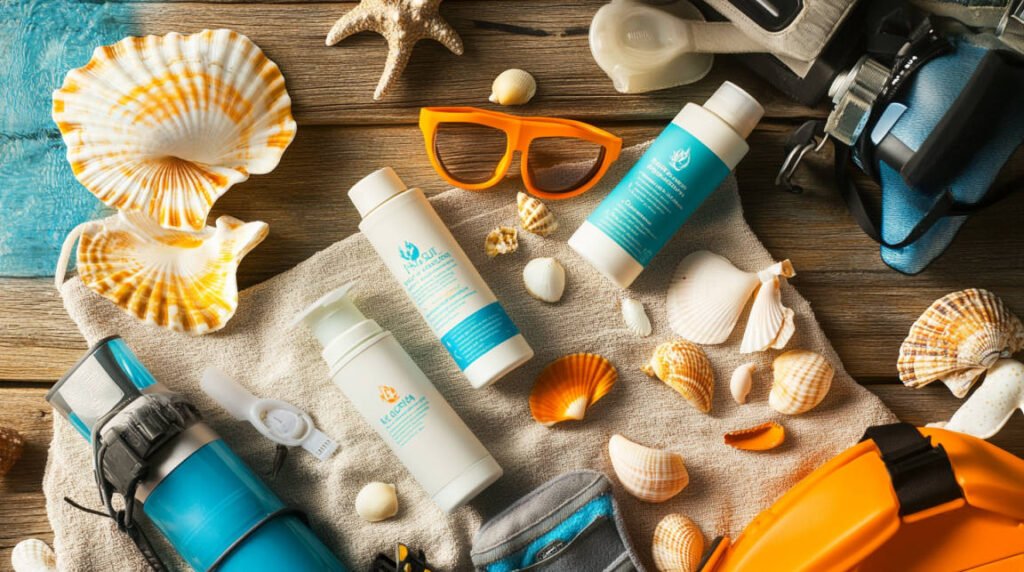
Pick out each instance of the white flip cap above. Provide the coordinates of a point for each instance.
(375, 189)
(736, 107)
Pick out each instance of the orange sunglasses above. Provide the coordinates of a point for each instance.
(473, 148)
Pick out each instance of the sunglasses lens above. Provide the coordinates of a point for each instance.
(469, 153)
(563, 164)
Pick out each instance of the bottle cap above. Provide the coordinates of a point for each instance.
(375, 189)
(736, 107)
(337, 323)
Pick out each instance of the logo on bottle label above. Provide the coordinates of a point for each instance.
(387, 393)
(680, 159)
(409, 251)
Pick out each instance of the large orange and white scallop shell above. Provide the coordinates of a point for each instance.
(178, 280)
(165, 125)
(678, 544)
(957, 339)
(568, 386)
(684, 367)
(802, 379)
(652, 475)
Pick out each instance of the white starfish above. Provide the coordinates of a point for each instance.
(402, 23)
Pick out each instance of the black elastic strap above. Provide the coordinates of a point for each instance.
(921, 474)
(284, 511)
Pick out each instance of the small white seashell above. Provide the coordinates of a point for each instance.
(770, 324)
(33, 555)
(678, 544)
(545, 279)
(513, 87)
(651, 475)
(502, 240)
(534, 216)
(741, 382)
(993, 403)
(377, 502)
(635, 317)
(707, 296)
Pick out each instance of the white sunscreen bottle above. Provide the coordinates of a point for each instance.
(439, 278)
(395, 397)
(685, 164)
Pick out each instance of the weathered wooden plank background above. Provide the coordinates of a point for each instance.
(864, 307)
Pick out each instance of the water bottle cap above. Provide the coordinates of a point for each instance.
(736, 107)
(375, 189)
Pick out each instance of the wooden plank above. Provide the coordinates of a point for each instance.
(23, 509)
(336, 84)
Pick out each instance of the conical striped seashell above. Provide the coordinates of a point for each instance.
(534, 216)
(706, 297)
(12, 445)
(761, 437)
(165, 125)
(802, 379)
(177, 280)
(770, 324)
(678, 544)
(957, 338)
(33, 555)
(651, 475)
(684, 367)
(568, 386)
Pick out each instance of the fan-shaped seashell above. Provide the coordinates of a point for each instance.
(802, 379)
(568, 386)
(957, 338)
(177, 280)
(513, 87)
(678, 544)
(757, 438)
(706, 297)
(502, 240)
(534, 216)
(376, 502)
(165, 125)
(651, 475)
(635, 317)
(12, 445)
(33, 555)
(741, 382)
(544, 279)
(684, 367)
(770, 324)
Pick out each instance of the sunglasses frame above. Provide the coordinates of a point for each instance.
(519, 134)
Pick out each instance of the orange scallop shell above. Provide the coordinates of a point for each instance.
(757, 438)
(568, 386)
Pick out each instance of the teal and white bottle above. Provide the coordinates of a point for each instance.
(682, 167)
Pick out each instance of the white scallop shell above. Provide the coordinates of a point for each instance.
(33, 555)
(165, 125)
(707, 296)
(988, 409)
(741, 382)
(651, 475)
(677, 545)
(635, 317)
(770, 324)
(376, 502)
(544, 279)
(513, 87)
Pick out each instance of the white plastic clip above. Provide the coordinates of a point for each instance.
(281, 422)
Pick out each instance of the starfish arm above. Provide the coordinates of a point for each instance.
(440, 30)
(356, 20)
(399, 52)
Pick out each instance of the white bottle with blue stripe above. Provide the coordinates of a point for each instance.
(682, 167)
(439, 278)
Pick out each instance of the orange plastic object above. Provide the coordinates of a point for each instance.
(845, 516)
(520, 132)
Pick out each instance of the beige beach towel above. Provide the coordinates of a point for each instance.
(727, 488)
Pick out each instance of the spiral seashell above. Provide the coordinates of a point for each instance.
(165, 125)
(651, 475)
(177, 280)
(33, 555)
(741, 382)
(635, 317)
(568, 386)
(376, 502)
(534, 216)
(957, 339)
(513, 87)
(544, 279)
(757, 438)
(12, 445)
(684, 367)
(678, 544)
(802, 380)
(502, 240)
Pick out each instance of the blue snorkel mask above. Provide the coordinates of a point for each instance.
(928, 116)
